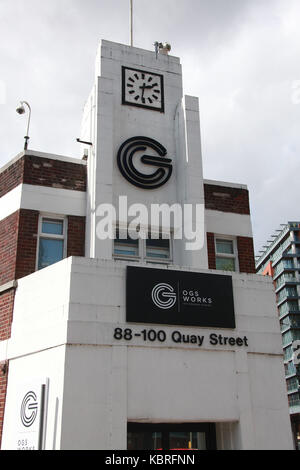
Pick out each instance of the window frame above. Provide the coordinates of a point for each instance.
(233, 255)
(142, 251)
(150, 259)
(51, 236)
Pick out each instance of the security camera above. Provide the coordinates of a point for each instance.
(20, 109)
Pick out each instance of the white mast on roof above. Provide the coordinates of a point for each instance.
(131, 23)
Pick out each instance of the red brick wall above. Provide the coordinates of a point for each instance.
(18, 239)
(3, 388)
(246, 254)
(6, 313)
(18, 232)
(27, 243)
(42, 171)
(211, 250)
(11, 177)
(76, 236)
(8, 247)
(54, 173)
(226, 199)
(234, 200)
(18, 243)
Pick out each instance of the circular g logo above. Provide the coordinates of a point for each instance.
(29, 409)
(163, 296)
(126, 166)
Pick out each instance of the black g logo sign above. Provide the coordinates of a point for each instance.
(126, 165)
(29, 409)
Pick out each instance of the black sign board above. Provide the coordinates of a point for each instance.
(170, 297)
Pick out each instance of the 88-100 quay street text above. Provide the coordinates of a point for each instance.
(176, 336)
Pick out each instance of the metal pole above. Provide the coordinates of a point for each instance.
(42, 416)
(29, 117)
(131, 23)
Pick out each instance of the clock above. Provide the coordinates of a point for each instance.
(143, 89)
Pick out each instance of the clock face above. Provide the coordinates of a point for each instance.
(144, 89)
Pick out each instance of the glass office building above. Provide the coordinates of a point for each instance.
(281, 260)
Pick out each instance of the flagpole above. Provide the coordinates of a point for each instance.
(131, 23)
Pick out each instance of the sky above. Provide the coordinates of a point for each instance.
(241, 58)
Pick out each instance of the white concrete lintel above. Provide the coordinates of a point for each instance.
(44, 199)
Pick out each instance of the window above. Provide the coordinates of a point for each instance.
(153, 250)
(290, 336)
(286, 277)
(157, 248)
(292, 384)
(289, 369)
(288, 353)
(124, 245)
(226, 259)
(294, 400)
(51, 241)
(287, 292)
(171, 436)
(290, 306)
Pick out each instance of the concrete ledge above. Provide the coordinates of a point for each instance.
(9, 285)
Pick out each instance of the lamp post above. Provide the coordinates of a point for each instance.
(21, 110)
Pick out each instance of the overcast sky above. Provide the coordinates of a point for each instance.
(240, 57)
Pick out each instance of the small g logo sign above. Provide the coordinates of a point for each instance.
(163, 296)
(142, 180)
(29, 409)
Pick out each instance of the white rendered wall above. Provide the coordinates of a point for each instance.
(78, 303)
(37, 345)
(43, 199)
(47, 364)
(228, 223)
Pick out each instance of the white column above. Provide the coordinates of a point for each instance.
(190, 188)
(100, 168)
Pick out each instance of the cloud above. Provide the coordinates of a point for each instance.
(249, 118)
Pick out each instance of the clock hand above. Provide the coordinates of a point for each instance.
(144, 87)
(143, 90)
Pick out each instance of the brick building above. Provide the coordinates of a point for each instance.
(62, 289)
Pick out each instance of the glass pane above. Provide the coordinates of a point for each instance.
(125, 246)
(50, 251)
(224, 246)
(144, 440)
(158, 248)
(201, 440)
(124, 250)
(55, 227)
(187, 440)
(225, 264)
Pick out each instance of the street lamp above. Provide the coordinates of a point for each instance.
(21, 110)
